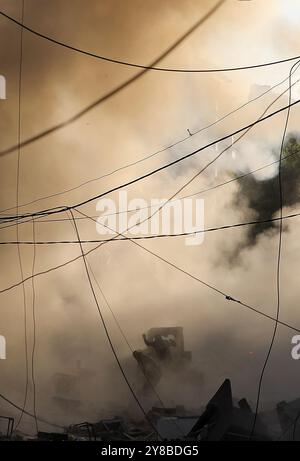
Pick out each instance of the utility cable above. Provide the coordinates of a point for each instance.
(34, 330)
(150, 67)
(151, 236)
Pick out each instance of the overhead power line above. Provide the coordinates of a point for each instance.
(18, 407)
(208, 285)
(117, 89)
(18, 169)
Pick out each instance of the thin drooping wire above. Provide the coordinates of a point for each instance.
(116, 89)
(150, 67)
(34, 329)
(103, 295)
(278, 260)
(109, 307)
(149, 237)
(135, 397)
(63, 209)
(17, 228)
(216, 186)
(175, 266)
(149, 156)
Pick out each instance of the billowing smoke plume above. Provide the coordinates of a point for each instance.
(262, 197)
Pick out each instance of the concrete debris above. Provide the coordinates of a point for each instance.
(221, 420)
(52, 437)
(109, 429)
